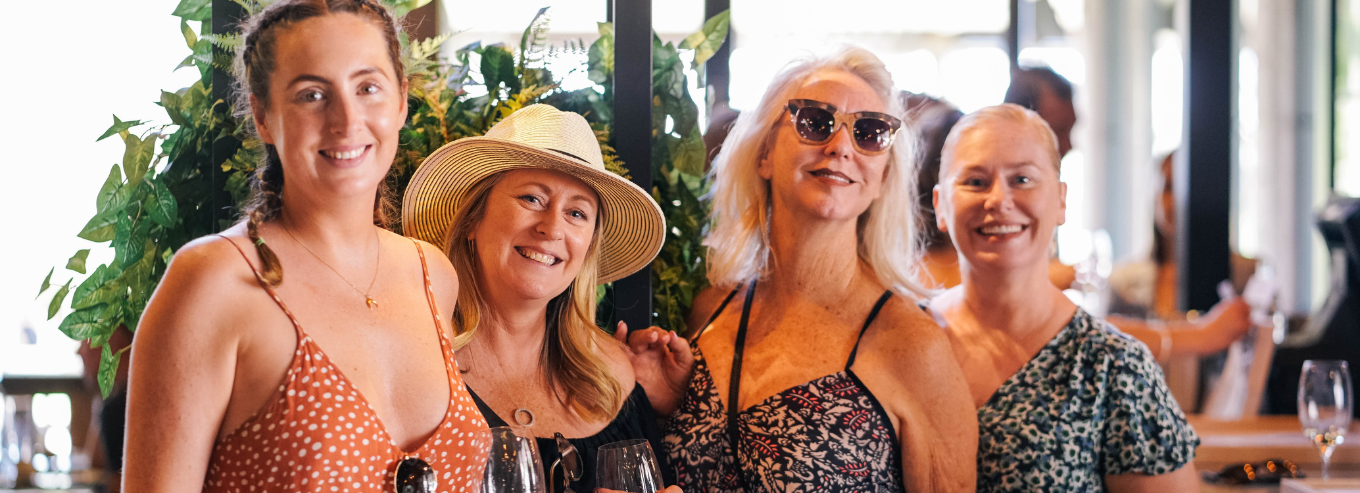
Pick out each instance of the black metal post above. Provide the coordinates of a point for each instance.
(717, 69)
(1203, 168)
(633, 134)
(226, 17)
(1013, 35)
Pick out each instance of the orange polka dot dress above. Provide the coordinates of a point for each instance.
(318, 434)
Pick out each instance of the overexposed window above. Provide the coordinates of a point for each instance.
(56, 105)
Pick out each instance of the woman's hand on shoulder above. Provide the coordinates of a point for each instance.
(182, 368)
(662, 364)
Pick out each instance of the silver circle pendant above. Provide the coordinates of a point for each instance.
(520, 417)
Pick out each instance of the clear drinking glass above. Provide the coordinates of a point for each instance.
(628, 466)
(1325, 404)
(512, 463)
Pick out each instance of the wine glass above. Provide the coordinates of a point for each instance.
(1325, 404)
(512, 463)
(628, 466)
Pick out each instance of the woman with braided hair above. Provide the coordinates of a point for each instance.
(230, 388)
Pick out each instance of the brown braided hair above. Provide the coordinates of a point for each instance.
(254, 68)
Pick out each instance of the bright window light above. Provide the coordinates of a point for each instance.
(916, 71)
(1064, 60)
(975, 77)
(1168, 93)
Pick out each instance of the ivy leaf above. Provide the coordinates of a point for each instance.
(137, 156)
(82, 323)
(162, 209)
(193, 10)
(189, 37)
(118, 127)
(57, 299)
(402, 7)
(600, 57)
(108, 369)
(687, 154)
(47, 283)
(173, 105)
(96, 279)
(77, 262)
(106, 294)
(498, 67)
(707, 41)
(100, 228)
(128, 240)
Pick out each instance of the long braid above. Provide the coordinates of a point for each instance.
(254, 68)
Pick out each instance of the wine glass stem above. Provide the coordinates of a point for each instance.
(1326, 461)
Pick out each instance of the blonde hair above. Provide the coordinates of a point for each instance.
(568, 356)
(739, 241)
(1002, 113)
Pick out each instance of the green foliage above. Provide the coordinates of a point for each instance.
(173, 176)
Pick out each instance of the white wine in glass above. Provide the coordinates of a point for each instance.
(1325, 405)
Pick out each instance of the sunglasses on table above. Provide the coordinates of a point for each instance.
(1268, 472)
(816, 122)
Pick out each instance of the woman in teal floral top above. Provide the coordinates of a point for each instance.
(1065, 401)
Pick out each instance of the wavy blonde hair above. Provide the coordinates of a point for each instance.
(568, 356)
(739, 239)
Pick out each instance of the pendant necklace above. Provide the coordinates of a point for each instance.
(368, 300)
(522, 415)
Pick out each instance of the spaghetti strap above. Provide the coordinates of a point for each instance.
(715, 314)
(297, 327)
(882, 300)
(429, 290)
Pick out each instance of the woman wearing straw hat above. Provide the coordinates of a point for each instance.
(532, 223)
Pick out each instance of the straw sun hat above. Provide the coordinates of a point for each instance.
(537, 136)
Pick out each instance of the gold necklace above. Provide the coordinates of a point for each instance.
(519, 410)
(368, 300)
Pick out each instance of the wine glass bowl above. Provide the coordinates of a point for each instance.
(628, 466)
(1326, 402)
(512, 463)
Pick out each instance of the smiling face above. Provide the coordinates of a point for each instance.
(335, 105)
(829, 181)
(535, 235)
(999, 197)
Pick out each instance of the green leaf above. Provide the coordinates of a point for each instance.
(498, 67)
(600, 61)
(707, 41)
(100, 228)
(57, 299)
(194, 10)
(83, 323)
(189, 37)
(129, 240)
(108, 369)
(47, 283)
(173, 105)
(77, 262)
(162, 208)
(96, 279)
(118, 127)
(402, 7)
(137, 156)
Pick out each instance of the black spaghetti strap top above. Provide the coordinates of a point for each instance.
(829, 434)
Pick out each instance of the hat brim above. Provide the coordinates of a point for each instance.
(633, 228)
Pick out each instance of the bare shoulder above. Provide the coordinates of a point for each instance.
(194, 301)
(907, 327)
(443, 277)
(616, 357)
(705, 303)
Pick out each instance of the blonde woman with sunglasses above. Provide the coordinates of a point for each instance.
(811, 366)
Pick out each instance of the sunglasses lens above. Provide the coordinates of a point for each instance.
(415, 476)
(571, 459)
(814, 124)
(872, 134)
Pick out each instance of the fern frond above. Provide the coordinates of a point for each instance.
(225, 41)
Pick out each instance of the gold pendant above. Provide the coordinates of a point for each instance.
(372, 304)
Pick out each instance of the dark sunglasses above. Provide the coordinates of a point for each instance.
(815, 122)
(1270, 471)
(570, 461)
(414, 476)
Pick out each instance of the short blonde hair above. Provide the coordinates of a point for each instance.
(1002, 113)
(739, 239)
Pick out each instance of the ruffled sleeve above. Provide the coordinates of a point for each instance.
(1145, 432)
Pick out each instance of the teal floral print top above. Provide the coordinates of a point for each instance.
(1091, 403)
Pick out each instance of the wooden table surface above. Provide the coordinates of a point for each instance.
(1267, 437)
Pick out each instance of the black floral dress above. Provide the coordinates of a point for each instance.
(829, 434)
(1091, 403)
